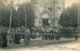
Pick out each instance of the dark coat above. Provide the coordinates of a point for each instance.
(3, 39)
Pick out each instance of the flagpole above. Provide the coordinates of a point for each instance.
(10, 19)
(26, 39)
(9, 30)
(78, 18)
(25, 19)
(25, 16)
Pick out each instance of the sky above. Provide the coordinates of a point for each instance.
(70, 2)
(67, 2)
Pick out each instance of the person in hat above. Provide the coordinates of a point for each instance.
(3, 38)
(27, 36)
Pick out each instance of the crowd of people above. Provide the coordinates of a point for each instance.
(25, 35)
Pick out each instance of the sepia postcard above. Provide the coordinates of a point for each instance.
(39, 25)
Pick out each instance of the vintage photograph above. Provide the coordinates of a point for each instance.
(39, 25)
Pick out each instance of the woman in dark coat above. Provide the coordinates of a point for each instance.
(3, 38)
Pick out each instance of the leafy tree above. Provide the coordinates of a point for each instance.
(4, 14)
(69, 18)
(18, 17)
(29, 13)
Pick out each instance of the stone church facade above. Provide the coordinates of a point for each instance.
(48, 11)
